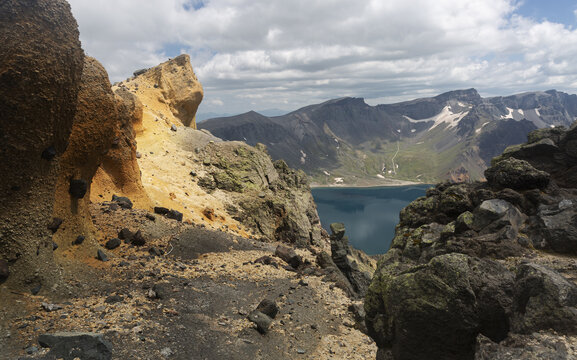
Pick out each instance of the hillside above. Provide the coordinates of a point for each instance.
(451, 136)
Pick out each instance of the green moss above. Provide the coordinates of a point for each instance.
(228, 181)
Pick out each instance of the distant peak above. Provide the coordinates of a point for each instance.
(462, 95)
(347, 101)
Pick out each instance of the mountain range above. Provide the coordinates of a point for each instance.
(450, 136)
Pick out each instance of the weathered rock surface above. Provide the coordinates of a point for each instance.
(544, 300)
(40, 72)
(517, 175)
(464, 278)
(550, 150)
(356, 267)
(119, 172)
(436, 310)
(527, 347)
(178, 87)
(274, 200)
(90, 138)
(67, 345)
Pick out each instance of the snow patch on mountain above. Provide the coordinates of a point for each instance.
(532, 115)
(445, 116)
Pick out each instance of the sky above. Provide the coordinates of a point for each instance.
(286, 54)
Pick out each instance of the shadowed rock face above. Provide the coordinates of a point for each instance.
(93, 135)
(119, 173)
(40, 72)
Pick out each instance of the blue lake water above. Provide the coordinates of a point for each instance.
(369, 214)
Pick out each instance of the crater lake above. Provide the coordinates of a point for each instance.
(369, 214)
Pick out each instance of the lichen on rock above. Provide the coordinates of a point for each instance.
(464, 271)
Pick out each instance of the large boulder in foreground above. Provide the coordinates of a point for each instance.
(40, 70)
(517, 175)
(436, 310)
(551, 150)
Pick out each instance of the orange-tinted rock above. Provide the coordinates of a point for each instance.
(91, 137)
(119, 172)
(178, 87)
(40, 69)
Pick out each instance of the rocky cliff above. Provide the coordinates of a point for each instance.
(172, 84)
(221, 185)
(486, 270)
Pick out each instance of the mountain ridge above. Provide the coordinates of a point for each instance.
(350, 139)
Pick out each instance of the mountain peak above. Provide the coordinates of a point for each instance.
(468, 95)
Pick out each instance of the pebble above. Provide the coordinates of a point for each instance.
(101, 255)
(31, 350)
(166, 352)
(112, 243)
(79, 240)
(4, 269)
(35, 290)
(51, 307)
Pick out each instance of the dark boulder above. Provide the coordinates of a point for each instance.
(4, 270)
(174, 214)
(78, 188)
(289, 256)
(349, 264)
(558, 223)
(55, 224)
(112, 243)
(122, 201)
(436, 311)
(72, 345)
(138, 239)
(517, 175)
(101, 255)
(125, 234)
(544, 300)
(268, 307)
(168, 213)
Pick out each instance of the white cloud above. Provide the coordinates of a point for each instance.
(287, 54)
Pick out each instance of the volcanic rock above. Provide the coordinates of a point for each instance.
(40, 70)
(268, 307)
(4, 270)
(262, 321)
(68, 345)
(178, 86)
(288, 255)
(517, 175)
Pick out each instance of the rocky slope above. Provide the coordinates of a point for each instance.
(424, 140)
(223, 185)
(486, 270)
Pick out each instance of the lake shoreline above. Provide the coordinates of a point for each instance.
(396, 183)
(370, 213)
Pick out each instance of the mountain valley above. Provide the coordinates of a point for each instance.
(452, 136)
